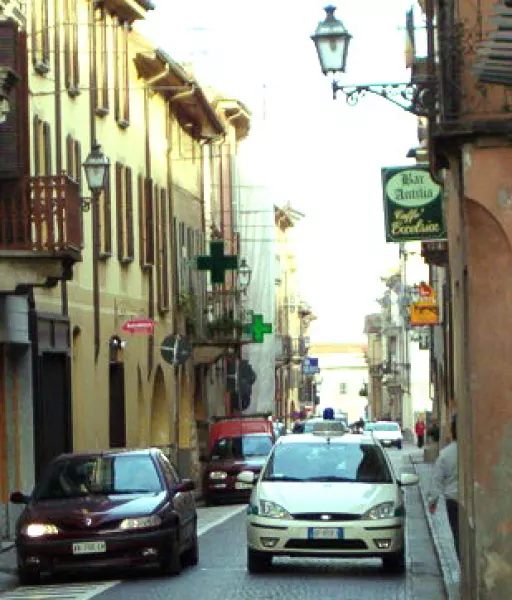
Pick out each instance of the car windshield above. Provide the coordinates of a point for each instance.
(361, 463)
(242, 446)
(114, 474)
(382, 427)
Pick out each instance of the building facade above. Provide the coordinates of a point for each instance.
(79, 269)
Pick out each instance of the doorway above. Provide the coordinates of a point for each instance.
(117, 412)
(53, 431)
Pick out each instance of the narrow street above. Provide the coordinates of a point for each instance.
(221, 573)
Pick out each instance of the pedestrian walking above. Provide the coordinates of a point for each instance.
(445, 482)
(419, 430)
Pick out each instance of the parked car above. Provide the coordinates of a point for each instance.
(117, 508)
(387, 432)
(326, 494)
(228, 457)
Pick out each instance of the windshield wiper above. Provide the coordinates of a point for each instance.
(113, 492)
(281, 478)
(329, 478)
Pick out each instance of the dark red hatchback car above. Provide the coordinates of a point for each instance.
(117, 508)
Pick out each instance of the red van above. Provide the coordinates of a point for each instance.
(235, 444)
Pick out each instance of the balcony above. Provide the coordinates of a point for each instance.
(40, 229)
(283, 349)
(299, 348)
(220, 327)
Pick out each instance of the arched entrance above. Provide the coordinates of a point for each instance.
(159, 431)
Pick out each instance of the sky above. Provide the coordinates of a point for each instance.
(326, 156)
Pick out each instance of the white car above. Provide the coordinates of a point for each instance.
(326, 495)
(387, 432)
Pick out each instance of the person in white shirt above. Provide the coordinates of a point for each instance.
(445, 482)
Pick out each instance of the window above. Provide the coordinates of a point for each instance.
(100, 58)
(162, 257)
(343, 388)
(71, 59)
(40, 37)
(121, 74)
(169, 471)
(124, 210)
(42, 144)
(146, 233)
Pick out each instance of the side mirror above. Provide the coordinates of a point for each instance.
(19, 498)
(186, 485)
(408, 479)
(246, 477)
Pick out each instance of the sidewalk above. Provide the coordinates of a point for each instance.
(8, 577)
(439, 529)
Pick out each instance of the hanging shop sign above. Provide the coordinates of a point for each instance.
(423, 313)
(413, 204)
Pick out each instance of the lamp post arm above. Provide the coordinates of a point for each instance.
(411, 97)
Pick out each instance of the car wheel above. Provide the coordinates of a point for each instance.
(29, 577)
(191, 555)
(171, 564)
(258, 562)
(394, 563)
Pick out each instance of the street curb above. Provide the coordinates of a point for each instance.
(451, 593)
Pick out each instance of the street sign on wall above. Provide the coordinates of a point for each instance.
(175, 349)
(139, 326)
(310, 366)
(413, 204)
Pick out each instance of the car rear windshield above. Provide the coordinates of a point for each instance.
(364, 463)
(243, 446)
(382, 427)
(309, 426)
(114, 474)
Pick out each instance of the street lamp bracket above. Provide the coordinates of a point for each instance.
(413, 97)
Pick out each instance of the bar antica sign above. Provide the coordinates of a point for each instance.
(413, 204)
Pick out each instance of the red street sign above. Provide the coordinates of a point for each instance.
(140, 326)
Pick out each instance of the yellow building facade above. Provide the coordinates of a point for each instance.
(79, 271)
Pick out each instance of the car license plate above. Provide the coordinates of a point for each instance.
(325, 533)
(242, 486)
(89, 547)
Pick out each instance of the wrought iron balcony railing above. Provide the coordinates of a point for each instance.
(41, 215)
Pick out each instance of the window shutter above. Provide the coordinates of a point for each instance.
(107, 218)
(130, 251)
(120, 211)
(149, 222)
(142, 220)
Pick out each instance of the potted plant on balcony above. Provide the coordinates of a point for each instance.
(187, 307)
(225, 326)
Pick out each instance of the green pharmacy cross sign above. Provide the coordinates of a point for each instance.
(218, 262)
(258, 328)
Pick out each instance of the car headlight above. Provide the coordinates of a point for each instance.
(35, 530)
(273, 510)
(141, 522)
(386, 510)
(218, 475)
